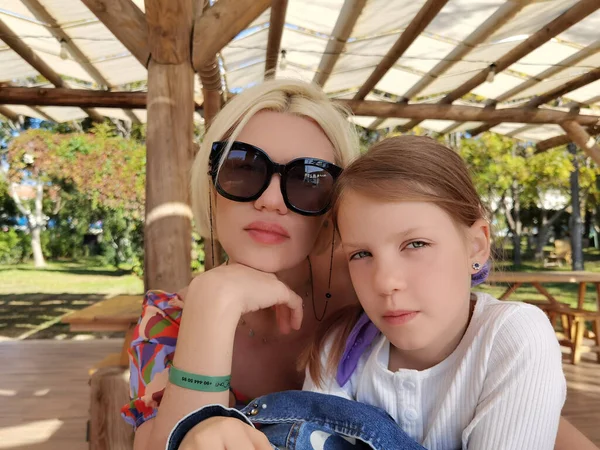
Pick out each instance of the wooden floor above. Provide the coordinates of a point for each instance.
(44, 395)
(44, 392)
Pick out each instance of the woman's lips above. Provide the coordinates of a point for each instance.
(267, 233)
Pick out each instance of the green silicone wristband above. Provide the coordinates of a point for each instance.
(196, 382)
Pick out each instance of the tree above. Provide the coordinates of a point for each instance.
(106, 168)
(499, 171)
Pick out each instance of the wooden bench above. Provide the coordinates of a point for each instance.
(109, 378)
(573, 320)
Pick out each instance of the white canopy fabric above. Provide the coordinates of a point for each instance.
(308, 28)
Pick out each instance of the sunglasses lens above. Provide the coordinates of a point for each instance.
(243, 173)
(309, 187)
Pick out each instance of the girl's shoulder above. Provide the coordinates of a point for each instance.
(513, 325)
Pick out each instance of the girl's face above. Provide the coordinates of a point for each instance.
(264, 234)
(411, 266)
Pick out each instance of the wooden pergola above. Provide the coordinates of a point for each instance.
(525, 68)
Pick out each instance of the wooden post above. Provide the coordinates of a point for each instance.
(210, 76)
(168, 233)
(109, 392)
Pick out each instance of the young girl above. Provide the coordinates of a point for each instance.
(454, 369)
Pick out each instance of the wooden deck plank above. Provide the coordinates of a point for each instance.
(44, 393)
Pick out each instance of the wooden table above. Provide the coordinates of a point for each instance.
(573, 319)
(119, 313)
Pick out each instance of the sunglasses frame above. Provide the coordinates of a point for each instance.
(272, 168)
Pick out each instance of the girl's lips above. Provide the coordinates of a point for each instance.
(399, 317)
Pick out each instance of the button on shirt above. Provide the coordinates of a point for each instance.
(502, 387)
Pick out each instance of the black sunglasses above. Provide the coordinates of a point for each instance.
(306, 183)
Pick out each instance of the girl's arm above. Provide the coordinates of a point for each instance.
(570, 438)
(524, 390)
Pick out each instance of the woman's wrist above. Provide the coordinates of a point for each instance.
(206, 335)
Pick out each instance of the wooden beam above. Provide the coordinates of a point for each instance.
(422, 111)
(216, 27)
(557, 141)
(566, 63)
(169, 145)
(127, 22)
(276, 24)
(9, 114)
(423, 18)
(554, 70)
(71, 97)
(134, 119)
(43, 114)
(553, 94)
(570, 17)
(24, 51)
(481, 34)
(583, 140)
(425, 111)
(54, 28)
(341, 33)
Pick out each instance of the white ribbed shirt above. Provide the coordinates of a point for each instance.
(502, 388)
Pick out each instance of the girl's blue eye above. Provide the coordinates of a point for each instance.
(360, 255)
(417, 244)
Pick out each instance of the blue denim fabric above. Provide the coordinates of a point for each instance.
(299, 420)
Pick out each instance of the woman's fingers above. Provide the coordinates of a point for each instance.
(283, 316)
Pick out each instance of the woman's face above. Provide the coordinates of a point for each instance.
(265, 234)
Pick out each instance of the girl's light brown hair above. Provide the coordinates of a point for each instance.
(402, 168)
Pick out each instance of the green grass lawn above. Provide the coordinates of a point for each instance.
(32, 301)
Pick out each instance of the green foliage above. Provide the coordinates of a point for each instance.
(108, 169)
(198, 255)
(8, 209)
(14, 246)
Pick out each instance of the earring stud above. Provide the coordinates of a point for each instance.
(476, 266)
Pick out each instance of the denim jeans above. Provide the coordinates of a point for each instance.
(299, 420)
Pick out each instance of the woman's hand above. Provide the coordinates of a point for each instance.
(224, 433)
(238, 289)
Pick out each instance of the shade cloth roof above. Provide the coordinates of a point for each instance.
(309, 27)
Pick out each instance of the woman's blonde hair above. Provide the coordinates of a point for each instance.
(282, 95)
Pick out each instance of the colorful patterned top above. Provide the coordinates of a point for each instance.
(151, 355)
